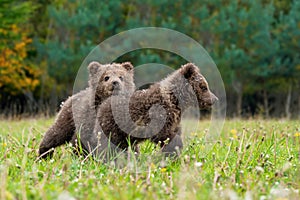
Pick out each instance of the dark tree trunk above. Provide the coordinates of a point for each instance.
(41, 102)
(299, 107)
(288, 102)
(266, 103)
(238, 87)
(239, 104)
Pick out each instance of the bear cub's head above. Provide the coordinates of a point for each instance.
(110, 79)
(198, 85)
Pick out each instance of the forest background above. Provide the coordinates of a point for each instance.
(255, 45)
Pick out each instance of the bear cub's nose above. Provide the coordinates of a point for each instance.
(115, 83)
(214, 99)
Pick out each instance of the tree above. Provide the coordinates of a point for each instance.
(75, 28)
(242, 43)
(18, 76)
(288, 55)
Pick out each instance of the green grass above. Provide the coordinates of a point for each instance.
(251, 160)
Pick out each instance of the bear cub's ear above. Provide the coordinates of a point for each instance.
(93, 67)
(188, 70)
(128, 66)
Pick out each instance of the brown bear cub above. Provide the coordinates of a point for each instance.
(154, 113)
(78, 113)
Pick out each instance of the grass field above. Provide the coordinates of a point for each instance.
(250, 160)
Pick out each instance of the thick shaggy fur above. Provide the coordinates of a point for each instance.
(78, 113)
(154, 113)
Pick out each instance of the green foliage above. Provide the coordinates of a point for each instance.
(244, 42)
(255, 44)
(76, 27)
(14, 12)
(288, 35)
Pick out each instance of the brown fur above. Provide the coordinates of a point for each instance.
(78, 113)
(154, 113)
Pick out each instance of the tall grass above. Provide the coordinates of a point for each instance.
(250, 160)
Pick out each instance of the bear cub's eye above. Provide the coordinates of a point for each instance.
(121, 78)
(106, 78)
(203, 88)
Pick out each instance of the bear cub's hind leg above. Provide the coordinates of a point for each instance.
(60, 132)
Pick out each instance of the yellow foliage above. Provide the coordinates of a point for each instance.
(16, 75)
(14, 28)
(20, 46)
(3, 31)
